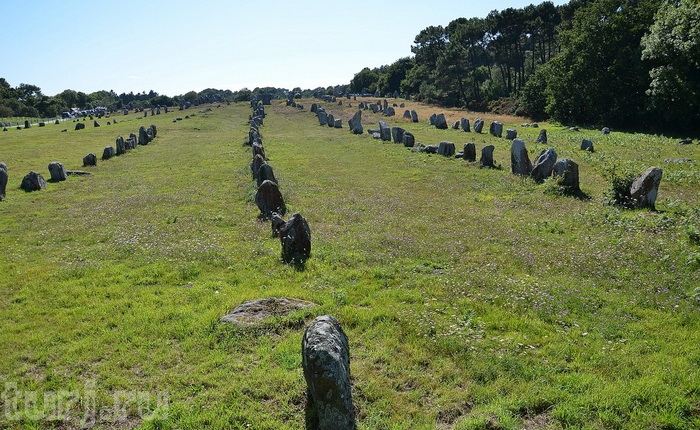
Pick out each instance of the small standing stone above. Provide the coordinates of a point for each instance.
(511, 133)
(446, 148)
(496, 129)
(441, 122)
(465, 124)
(295, 236)
(408, 139)
(478, 125)
(90, 160)
(57, 171)
(567, 171)
(519, 160)
(645, 188)
(33, 181)
(108, 153)
(487, 157)
(542, 137)
(587, 145)
(544, 164)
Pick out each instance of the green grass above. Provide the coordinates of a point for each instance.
(472, 298)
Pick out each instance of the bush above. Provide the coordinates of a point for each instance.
(619, 192)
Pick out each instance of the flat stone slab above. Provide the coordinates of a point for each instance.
(678, 160)
(254, 312)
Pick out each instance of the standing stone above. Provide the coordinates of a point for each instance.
(90, 160)
(154, 130)
(464, 122)
(414, 116)
(314, 107)
(567, 172)
(258, 149)
(469, 151)
(355, 123)
(587, 145)
(95, 124)
(544, 164)
(407, 114)
(133, 139)
(496, 129)
(446, 148)
(478, 125)
(645, 188)
(26, 124)
(121, 146)
(338, 123)
(374, 108)
(542, 137)
(265, 173)
(269, 199)
(408, 139)
(511, 134)
(519, 160)
(441, 122)
(605, 130)
(79, 126)
(258, 161)
(330, 120)
(390, 111)
(432, 119)
(57, 171)
(455, 125)
(143, 136)
(3, 181)
(487, 157)
(326, 363)
(397, 134)
(322, 117)
(384, 131)
(108, 153)
(295, 236)
(33, 181)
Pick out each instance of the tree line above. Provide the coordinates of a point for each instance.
(623, 63)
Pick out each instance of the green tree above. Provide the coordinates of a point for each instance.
(599, 77)
(672, 47)
(364, 80)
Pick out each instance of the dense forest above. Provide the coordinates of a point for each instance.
(630, 64)
(624, 63)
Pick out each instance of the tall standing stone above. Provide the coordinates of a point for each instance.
(407, 114)
(469, 152)
(478, 125)
(519, 160)
(295, 236)
(258, 161)
(3, 181)
(464, 122)
(432, 119)
(441, 122)
(384, 131)
(269, 199)
(121, 146)
(355, 123)
(397, 134)
(322, 117)
(57, 171)
(265, 173)
(330, 120)
(544, 164)
(645, 188)
(143, 136)
(326, 363)
(487, 157)
(414, 116)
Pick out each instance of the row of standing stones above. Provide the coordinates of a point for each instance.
(34, 181)
(642, 192)
(325, 346)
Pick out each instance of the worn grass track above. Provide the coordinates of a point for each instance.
(472, 298)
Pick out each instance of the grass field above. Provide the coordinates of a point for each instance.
(472, 298)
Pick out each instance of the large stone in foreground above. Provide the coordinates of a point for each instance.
(33, 181)
(567, 172)
(269, 199)
(645, 188)
(487, 157)
(326, 363)
(90, 160)
(469, 152)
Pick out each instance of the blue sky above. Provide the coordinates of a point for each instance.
(176, 46)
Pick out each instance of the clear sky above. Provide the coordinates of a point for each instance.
(175, 46)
